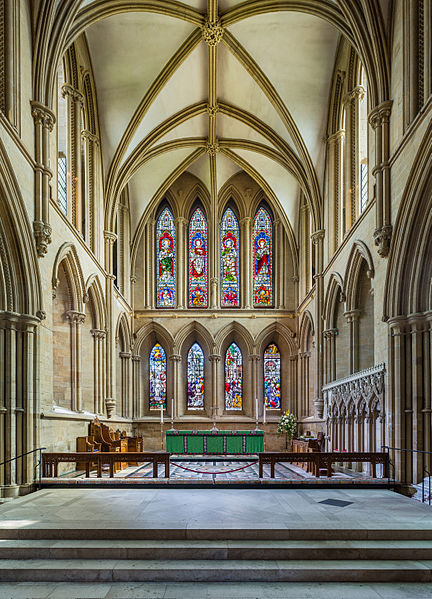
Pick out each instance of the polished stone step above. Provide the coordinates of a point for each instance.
(213, 534)
(215, 550)
(214, 571)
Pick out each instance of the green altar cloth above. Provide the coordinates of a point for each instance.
(220, 442)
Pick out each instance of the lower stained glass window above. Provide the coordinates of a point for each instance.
(195, 378)
(272, 378)
(158, 378)
(233, 378)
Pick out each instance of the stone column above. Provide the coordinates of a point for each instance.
(75, 103)
(44, 121)
(181, 225)
(352, 317)
(125, 384)
(352, 176)
(109, 238)
(379, 118)
(76, 319)
(397, 413)
(335, 171)
(330, 354)
(255, 360)
(216, 405)
(176, 383)
(137, 411)
(99, 368)
(246, 263)
(90, 141)
(293, 386)
(318, 241)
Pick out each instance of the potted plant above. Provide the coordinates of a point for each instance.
(288, 425)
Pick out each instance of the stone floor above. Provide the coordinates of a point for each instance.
(216, 591)
(214, 508)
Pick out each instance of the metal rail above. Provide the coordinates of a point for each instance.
(22, 455)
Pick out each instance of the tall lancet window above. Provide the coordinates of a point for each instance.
(229, 260)
(272, 378)
(198, 254)
(262, 251)
(165, 260)
(233, 378)
(158, 378)
(195, 378)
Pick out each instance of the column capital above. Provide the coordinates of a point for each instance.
(42, 115)
(214, 358)
(180, 220)
(245, 220)
(254, 357)
(110, 236)
(380, 114)
(357, 92)
(136, 358)
(98, 333)
(75, 317)
(318, 236)
(125, 355)
(75, 95)
(329, 333)
(382, 238)
(352, 315)
(85, 134)
(175, 358)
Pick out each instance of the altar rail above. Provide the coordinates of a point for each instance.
(96, 460)
(323, 461)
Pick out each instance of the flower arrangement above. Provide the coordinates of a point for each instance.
(287, 424)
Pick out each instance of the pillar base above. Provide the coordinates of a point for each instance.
(9, 491)
(319, 407)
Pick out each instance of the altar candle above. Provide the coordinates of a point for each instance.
(256, 407)
(161, 413)
(172, 407)
(264, 413)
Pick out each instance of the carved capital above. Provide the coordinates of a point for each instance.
(382, 238)
(72, 93)
(85, 134)
(352, 315)
(42, 115)
(329, 333)
(357, 93)
(98, 333)
(42, 232)
(125, 355)
(175, 358)
(212, 32)
(380, 114)
(215, 358)
(110, 237)
(75, 317)
(317, 236)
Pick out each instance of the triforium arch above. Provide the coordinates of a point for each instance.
(408, 312)
(306, 366)
(123, 366)
(67, 258)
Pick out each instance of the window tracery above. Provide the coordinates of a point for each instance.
(165, 260)
(229, 260)
(158, 378)
(272, 377)
(233, 378)
(198, 259)
(195, 378)
(262, 259)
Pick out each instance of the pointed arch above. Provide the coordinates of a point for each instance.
(198, 259)
(197, 332)
(157, 333)
(229, 193)
(67, 256)
(335, 292)
(232, 330)
(195, 378)
(166, 279)
(306, 328)
(229, 239)
(359, 253)
(95, 294)
(262, 258)
(233, 367)
(123, 332)
(278, 333)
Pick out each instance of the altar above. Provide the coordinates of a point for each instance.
(214, 442)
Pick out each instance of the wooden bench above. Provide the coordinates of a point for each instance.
(50, 461)
(322, 461)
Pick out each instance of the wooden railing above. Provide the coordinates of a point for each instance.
(96, 460)
(323, 461)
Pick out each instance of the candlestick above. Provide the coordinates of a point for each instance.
(172, 414)
(161, 407)
(264, 413)
(256, 414)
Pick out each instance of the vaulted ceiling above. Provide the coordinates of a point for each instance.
(176, 93)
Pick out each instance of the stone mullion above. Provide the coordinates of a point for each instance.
(335, 161)
(254, 359)
(215, 360)
(125, 384)
(75, 103)
(293, 378)
(75, 320)
(96, 372)
(181, 262)
(136, 369)
(245, 263)
(176, 383)
(90, 141)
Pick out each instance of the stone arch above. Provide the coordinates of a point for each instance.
(230, 192)
(306, 328)
(335, 292)
(123, 332)
(156, 332)
(359, 253)
(197, 195)
(234, 328)
(67, 256)
(95, 294)
(194, 330)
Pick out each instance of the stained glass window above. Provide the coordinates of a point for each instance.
(198, 294)
(262, 259)
(158, 378)
(229, 258)
(233, 378)
(272, 378)
(165, 260)
(195, 378)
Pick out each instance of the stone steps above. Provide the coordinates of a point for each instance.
(214, 571)
(215, 550)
